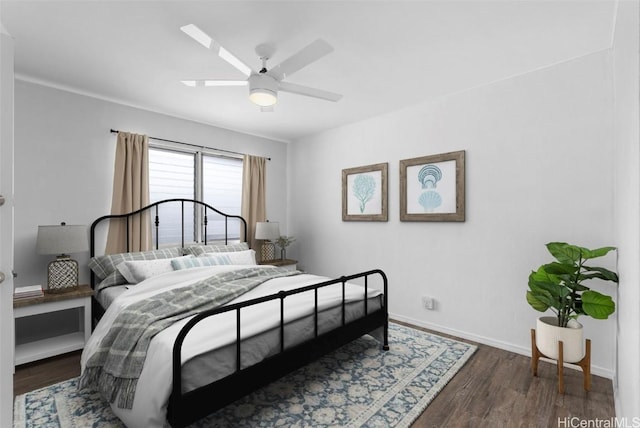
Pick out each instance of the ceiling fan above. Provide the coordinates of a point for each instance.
(265, 84)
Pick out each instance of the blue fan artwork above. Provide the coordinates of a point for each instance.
(364, 188)
(429, 176)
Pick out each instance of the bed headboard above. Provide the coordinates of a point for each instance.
(200, 219)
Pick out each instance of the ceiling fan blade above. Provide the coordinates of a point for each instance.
(205, 40)
(309, 92)
(304, 57)
(200, 83)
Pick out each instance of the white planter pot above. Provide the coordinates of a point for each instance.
(548, 334)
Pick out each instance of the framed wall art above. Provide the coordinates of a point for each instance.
(432, 188)
(364, 193)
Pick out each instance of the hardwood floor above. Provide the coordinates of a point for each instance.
(494, 389)
(39, 374)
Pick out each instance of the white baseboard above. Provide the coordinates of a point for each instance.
(596, 370)
(616, 399)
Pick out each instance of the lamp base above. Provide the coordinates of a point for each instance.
(63, 275)
(267, 251)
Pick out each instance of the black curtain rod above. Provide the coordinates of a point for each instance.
(115, 131)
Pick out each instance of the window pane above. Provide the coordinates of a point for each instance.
(222, 189)
(172, 175)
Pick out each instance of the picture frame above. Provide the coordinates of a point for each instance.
(432, 188)
(364, 193)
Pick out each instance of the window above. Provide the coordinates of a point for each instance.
(222, 189)
(215, 180)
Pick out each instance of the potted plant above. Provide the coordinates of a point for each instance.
(283, 242)
(560, 286)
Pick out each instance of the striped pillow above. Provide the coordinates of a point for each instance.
(105, 267)
(247, 257)
(114, 278)
(200, 250)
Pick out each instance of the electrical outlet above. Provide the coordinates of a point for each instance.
(428, 302)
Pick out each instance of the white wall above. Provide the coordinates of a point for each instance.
(539, 168)
(64, 156)
(6, 224)
(627, 206)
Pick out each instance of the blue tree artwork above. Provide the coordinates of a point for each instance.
(428, 177)
(364, 188)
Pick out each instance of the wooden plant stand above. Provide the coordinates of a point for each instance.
(584, 363)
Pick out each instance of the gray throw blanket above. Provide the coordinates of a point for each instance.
(116, 365)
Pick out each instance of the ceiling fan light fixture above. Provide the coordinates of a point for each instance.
(263, 90)
(263, 97)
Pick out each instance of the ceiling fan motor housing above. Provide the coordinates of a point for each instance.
(263, 89)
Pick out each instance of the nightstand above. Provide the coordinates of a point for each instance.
(45, 343)
(285, 263)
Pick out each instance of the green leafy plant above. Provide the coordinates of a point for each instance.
(284, 241)
(559, 285)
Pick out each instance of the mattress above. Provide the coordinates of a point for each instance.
(209, 349)
(218, 363)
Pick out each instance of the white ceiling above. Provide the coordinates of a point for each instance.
(388, 54)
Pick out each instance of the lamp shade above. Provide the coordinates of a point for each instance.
(268, 230)
(62, 239)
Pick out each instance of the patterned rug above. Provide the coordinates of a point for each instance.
(358, 385)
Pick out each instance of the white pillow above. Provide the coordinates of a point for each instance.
(247, 257)
(135, 271)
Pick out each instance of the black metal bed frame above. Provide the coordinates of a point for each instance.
(96, 309)
(186, 408)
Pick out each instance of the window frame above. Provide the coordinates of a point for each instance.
(198, 154)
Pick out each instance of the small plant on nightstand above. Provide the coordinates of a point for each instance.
(283, 242)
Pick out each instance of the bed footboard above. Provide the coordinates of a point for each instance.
(185, 408)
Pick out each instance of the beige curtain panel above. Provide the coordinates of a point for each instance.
(253, 196)
(130, 193)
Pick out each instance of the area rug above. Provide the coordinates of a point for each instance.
(358, 385)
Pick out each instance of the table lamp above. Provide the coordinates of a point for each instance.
(267, 231)
(62, 240)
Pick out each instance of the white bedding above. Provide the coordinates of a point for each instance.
(214, 333)
(107, 295)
